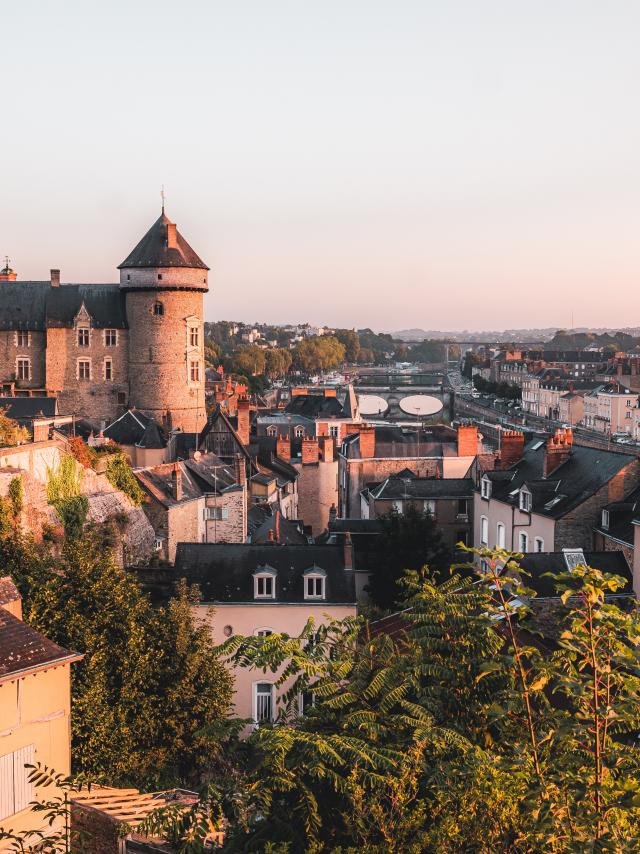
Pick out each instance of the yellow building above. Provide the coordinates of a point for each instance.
(35, 705)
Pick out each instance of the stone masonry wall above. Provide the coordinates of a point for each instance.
(160, 354)
(34, 351)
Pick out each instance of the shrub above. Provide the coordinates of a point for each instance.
(119, 474)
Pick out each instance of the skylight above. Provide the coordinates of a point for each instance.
(574, 557)
(537, 445)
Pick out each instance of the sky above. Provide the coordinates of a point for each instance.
(408, 163)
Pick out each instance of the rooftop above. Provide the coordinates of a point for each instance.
(23, 649)
(154, 249)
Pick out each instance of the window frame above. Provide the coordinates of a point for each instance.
(107, 367)
(523, 542)
(485, 488)
(317, 578)
(194, 372)
(194, 332)
(82, 333)
(19, 342)
(110, 338)
(272, 703)
(83, 362)
(264, 575)
(263, 632)
(484, 531)
(538, 541)
(23, 360)
(501, 535)
(605, 520)
(524, 501)
(158, 309)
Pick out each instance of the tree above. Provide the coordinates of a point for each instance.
(150, 682)
(318, 353)
(409, 540)
(249, 360)
(277, 363)
(350, 339)
(11, 433)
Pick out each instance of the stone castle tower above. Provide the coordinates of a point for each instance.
(164, 282)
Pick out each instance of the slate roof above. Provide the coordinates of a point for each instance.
(28, 408)
(22, 648)
(158, 482)
(539, 563)
(395, 487)
(621, 517)
(224, 573)
(585, 472)
(152, 250)
(394, 441)
(36, 305)
(315, 406)
(262, 519)
(130, 428)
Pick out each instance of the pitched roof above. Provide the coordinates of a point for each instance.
(314, 406)
(22, 648)
(8, 591)
(585, 472)
(27, 408)
(129, 428)
(394, 441)
(262, 519)
(224, 573)
(105, 304)
(537, 564)
(395, 487)
(153, 251)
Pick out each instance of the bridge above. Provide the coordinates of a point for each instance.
(384, 393)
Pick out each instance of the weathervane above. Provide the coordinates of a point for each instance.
(162, 197)
(6, 262)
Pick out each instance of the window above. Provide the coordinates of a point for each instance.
(194, 336)
(16, 792)
(22, 338)
(264, 586)
(219, 513)
(194, 372)
(84, 369)
(430, 507)
(263, 702)
(500, 534)
(334, 430)
(306, 701)
(108, 370)
(159, 277)
(463, 507)
(484, 531)
(314, 587)
(627, 415)
(605, 519)
(122, 398)
(525, 501)
(263, 633)
(538, 544)
(523, 541)
(83, 336)
(23, 369)
(298, 432)
(158, 309)
(110, 337)
(272, 431)
(158, 543)
(485, 488)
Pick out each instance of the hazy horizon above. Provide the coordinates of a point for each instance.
(391, 165)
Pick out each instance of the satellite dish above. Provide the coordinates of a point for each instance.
(372, 404)
(421, 405)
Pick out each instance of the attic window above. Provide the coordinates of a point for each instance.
(605, 519)
(485, 488)
(525, 501)
(314, 585)
(264, 584)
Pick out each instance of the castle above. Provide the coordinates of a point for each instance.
(101, 349)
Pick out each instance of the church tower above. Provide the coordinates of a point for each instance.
(164, 282)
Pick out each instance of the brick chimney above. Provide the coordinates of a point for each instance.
(172, 236)
(55, 278)
(283, 448)
(511, 448)
(240, 469)
(333, 513)
(326, 449)
(310, 451)
(176, 482)
(243, 419)
(348, 551)
(277, 526)
(557, 451)
(367, 441)
(467, 440)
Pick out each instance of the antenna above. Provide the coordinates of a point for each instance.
(6, 261)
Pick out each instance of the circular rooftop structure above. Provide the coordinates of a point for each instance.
(421, 405)
(372, 404)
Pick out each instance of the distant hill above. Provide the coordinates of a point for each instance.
(621, 339)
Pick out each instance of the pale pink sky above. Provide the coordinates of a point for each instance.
(352, 162)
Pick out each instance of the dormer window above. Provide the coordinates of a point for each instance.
(264, 583)
(525, 501)
(605, 519)
(272, 431)
(298, 432)
(315, 583)
(485, 488)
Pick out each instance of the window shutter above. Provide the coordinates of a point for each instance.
(6, 786)
(23, 788)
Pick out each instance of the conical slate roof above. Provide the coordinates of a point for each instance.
(154, 250)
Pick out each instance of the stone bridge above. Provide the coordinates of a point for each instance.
(382, 394)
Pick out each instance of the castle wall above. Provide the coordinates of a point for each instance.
(160, 354)
(148, 277)
(34, 351)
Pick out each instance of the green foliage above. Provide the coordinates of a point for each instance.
(150, 683)
(503, 389)
(277, 363)
(409, 540)
(10, 431)
(350, 339)
(249, 360)
(318, 353)
(64, 482)
(120, 475)
(16, 495)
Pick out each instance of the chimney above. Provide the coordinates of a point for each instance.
(511, 448)
(172, 236)
(176, 482)
(326, 449)
(270, 537)
(467, 440)
(348, 551)
(557, 451)
(243, 419)
(333, 513)
(367, 441)
(310, 451)
(277, 526)
(240, 469)
(283, 448)
(55, 278)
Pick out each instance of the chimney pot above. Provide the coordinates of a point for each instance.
(176, 482)
(55, 278)
(348, 551)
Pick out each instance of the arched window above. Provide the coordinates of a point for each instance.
(271, 430)
(158, 309)
(299, 432)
